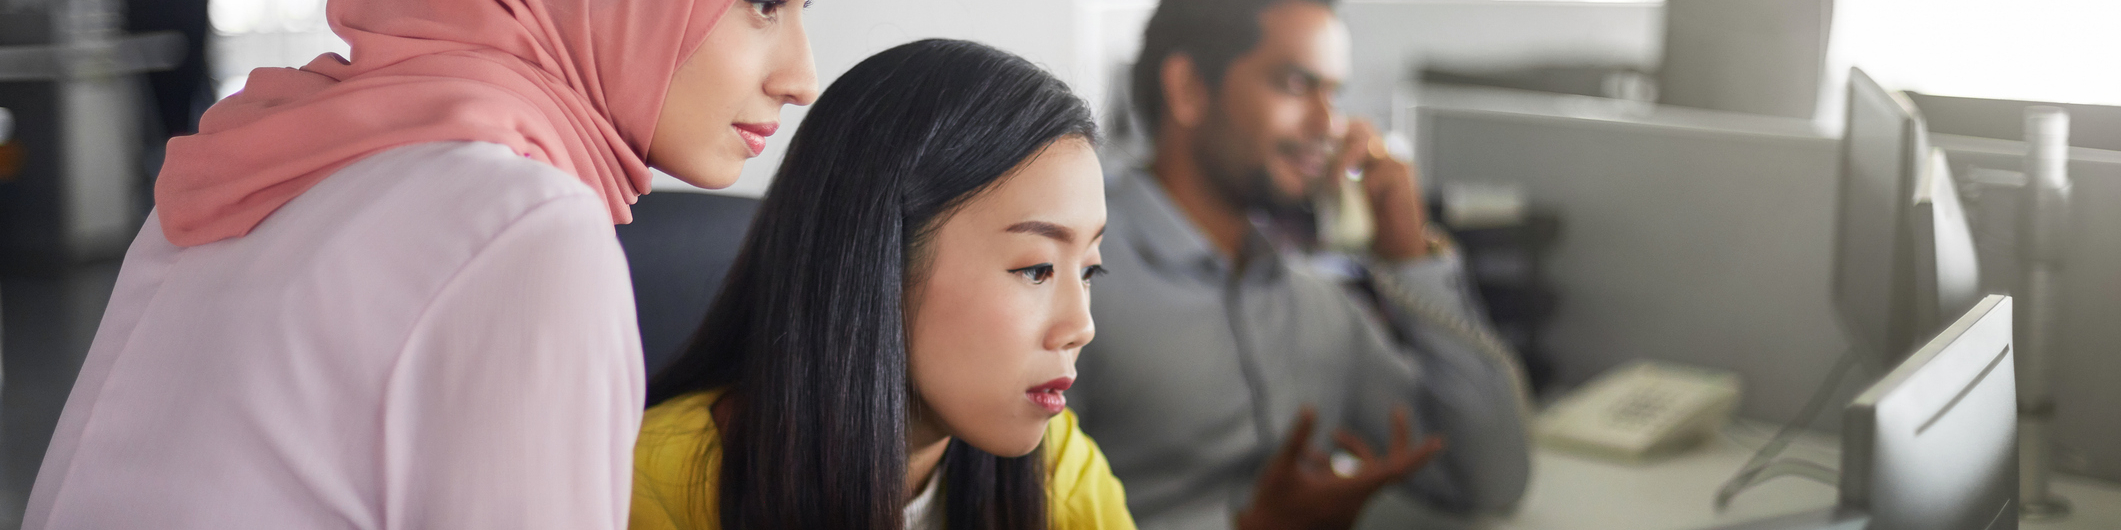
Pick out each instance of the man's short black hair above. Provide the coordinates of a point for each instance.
(1212, 32)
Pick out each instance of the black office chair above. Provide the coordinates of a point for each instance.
(679, 246)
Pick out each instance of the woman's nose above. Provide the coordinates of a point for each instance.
(794, 79)
(1072, 326)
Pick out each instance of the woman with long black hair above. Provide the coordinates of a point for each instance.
(890, 347)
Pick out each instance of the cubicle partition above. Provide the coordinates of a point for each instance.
(1694, 236)
(2085, 394)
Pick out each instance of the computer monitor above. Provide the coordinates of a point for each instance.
(1934, 444)
(1900, 231)
(1946, 266)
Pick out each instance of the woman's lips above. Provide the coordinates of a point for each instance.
(1048, 396)
(754, 135)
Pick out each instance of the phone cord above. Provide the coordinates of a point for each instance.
(1755, 469)
(1463, 329)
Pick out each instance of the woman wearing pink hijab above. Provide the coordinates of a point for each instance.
(385, 292)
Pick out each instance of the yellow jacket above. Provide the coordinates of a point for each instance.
(1081, 493)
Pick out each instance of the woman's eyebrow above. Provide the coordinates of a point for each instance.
(1056, 232)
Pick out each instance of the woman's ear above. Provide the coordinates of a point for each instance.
(1186, 95)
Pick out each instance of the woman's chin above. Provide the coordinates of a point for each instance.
(711, 176)
(718, 181)
(1017, 451)
(1013, 444)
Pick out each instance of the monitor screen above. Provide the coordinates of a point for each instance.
(1881, 156)
(1934, 445)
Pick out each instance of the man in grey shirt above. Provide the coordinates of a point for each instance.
(1220, 361)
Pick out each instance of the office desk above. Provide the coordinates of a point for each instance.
(1678, 493)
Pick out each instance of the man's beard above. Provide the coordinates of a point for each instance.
(1243, 182)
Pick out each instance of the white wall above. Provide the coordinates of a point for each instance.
(1060, 35)
(2047, 50)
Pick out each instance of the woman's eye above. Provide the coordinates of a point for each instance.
(1092, 272)
(1037, 274)
(770, 9)
(767, 9)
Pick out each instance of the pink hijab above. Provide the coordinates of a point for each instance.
(577, 84)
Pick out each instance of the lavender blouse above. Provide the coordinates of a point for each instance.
(438, 336)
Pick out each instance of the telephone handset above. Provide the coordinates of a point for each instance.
(1641, 410)
(1345, 223)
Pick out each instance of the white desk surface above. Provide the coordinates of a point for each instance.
(1678, 493)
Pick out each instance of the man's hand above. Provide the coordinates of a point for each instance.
(1394, 191)
(1300, 491)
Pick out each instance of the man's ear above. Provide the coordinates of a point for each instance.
(1186, 94)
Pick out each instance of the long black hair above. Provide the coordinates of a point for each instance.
(809, 331)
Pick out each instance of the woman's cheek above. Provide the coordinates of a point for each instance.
(985, 352)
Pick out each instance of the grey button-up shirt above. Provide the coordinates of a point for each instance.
(1196, 376)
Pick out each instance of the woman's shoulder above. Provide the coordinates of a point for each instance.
(1081, 492)
(440, 201)
(676, 435)
(481, 177)
(674, 461)
(483, 164)
(686, 414)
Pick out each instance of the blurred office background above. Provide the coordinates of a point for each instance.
(1685, 154)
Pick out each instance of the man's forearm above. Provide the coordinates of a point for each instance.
(1472, 384)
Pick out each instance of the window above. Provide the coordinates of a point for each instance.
(2039, 50)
